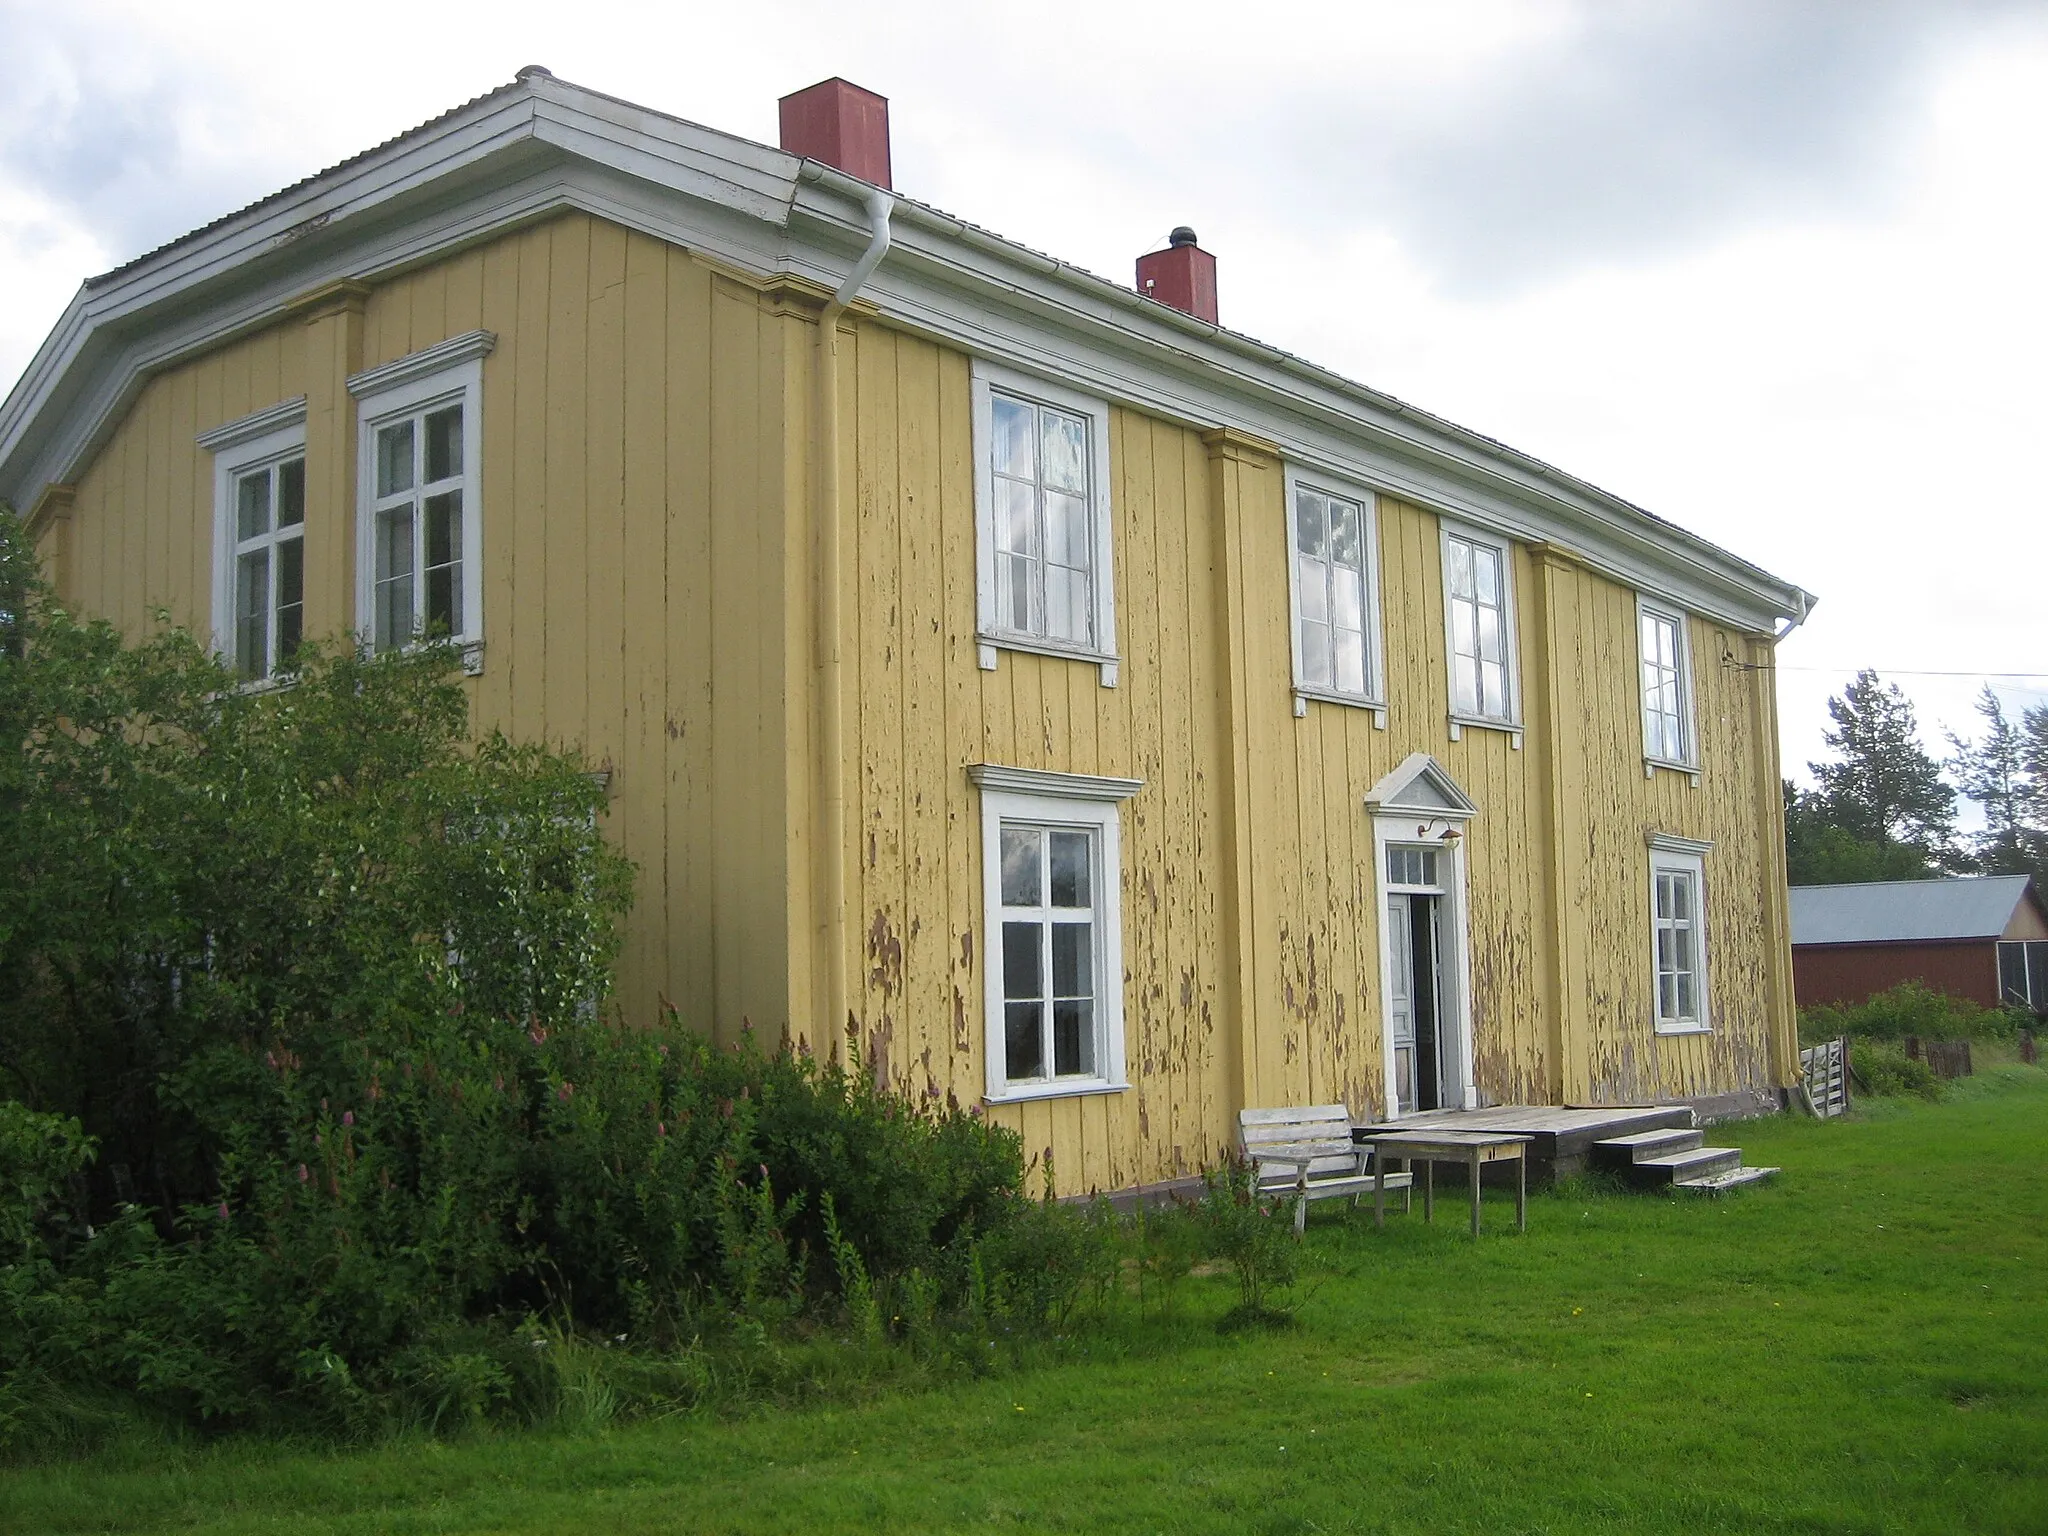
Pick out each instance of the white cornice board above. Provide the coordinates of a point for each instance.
(544, 145)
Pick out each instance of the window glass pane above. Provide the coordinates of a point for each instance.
(2012, 973)
(1313, 579)
(1023, 1041)
(1066, 530)
(1464, 622)
(1015, 591)
(1425, 859)
(252, 613)
(1461, 568)
(444, 444)
(1015, 435)
(1345, 549)
(1073, 1039)
(1070, 861)
(1494, 683)
(394, 458)
(1350, 648)
(1065, 464)
(1068, 616)
(1348, 593)
(252, 505)
(444, 563)
(291, 493)
(1311, 523)
(393, 620)
(1016, 517)
(1021, 977)
(2037, 967)
(1315, 654)
(1073, 973)
(1667, 997)
(1465, 685)
(1486, 575)
(1020, 866)
(1688, 1006)
(291, 597)
(1489, 634)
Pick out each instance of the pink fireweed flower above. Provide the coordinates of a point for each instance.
(222, 1210)
(303, 1174)
(565, 1092)
(348, 1117)
(660, 1129)
(317, 1141)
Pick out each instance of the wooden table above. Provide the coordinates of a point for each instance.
(1472, 1148)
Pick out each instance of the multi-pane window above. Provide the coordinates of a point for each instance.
(2023, 974)
(1050, 971)
(1678, 938)
(1666, 724)
(1408, 865)
(268, 509)
(1332, 592)
(1044, 520)
(1476, 598)
(417, 521)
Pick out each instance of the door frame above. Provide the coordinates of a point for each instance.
(1420, 803)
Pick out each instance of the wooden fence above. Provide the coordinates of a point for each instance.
(1825, 1083)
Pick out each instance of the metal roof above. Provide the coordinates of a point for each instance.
(1906, 911)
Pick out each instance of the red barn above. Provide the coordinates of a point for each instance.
(1984, 938)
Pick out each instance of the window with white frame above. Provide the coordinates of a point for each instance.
(2023, 974)
(1481, 628)
(1335, 585)
(1042, 518)
(1054, 974)
(419, 522)
(1667, 686)
(1678, 926)
(259, 579)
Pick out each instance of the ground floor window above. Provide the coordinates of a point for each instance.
(1678, 933)
(1054, 973)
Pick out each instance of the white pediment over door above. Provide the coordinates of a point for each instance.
(1422, 786)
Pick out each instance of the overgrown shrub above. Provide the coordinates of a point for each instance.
(1254, 1234)
(1909, 1009)
(1884, 1070)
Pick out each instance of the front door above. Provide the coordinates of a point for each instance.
(1415, 995)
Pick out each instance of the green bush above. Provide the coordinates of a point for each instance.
(1884, 1070)
(1909, 1009)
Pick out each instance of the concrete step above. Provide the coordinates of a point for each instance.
(1625, 1151)
(1721, 1183)
(1699, 1163)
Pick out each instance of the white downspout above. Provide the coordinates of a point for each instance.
(829, 758)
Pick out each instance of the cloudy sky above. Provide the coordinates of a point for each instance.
(1771, 268)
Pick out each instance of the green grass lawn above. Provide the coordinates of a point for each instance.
(1862, 1346)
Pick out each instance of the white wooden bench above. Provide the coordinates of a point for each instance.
(1309, 1153)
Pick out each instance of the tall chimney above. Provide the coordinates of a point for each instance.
(1183, 275)
(839, 123)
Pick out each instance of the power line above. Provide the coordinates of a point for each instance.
(2003, 677)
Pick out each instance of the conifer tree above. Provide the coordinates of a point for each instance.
(1993, 771)
(1884, 788)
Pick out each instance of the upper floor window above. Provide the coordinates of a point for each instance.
(1042, 520)
(1667, 687)
(1480, 620)
(419, 528)
(259, 578)
(1335, 583)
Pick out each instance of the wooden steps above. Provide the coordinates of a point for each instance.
(1675, 1159)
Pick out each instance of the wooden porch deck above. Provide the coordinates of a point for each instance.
(1560, 1135)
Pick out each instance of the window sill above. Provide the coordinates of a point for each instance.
(1304, 693)
(1690, 770)
(1074, 1090)
(987, 644)
(1668, 1031)
(1462, 723)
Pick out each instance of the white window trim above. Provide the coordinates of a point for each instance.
(1511, 641)
(452, 370)
(1058, 799)
(1295, 477)
(990, 637)
(264, 437)
(1689, 764)
(1669, 852)
(1448, 831)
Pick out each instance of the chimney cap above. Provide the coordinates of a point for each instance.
(1182, 235)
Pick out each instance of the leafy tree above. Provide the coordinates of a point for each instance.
(1884, 788)
(1994, 772)
(1817, 852)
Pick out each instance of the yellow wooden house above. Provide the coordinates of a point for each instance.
(1102, 716)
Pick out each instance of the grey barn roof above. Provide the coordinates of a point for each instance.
(1905, 911)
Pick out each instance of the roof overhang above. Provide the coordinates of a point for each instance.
(540, 146)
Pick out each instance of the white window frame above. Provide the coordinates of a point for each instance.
(441, 375)
(261, 440)
(1688, 762)
(991, 637)
(1296, 479)
(1510, 717)
(1055, 800)
(1670, 854)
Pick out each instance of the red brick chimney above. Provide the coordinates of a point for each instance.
(1183, 275)
(839, 123)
